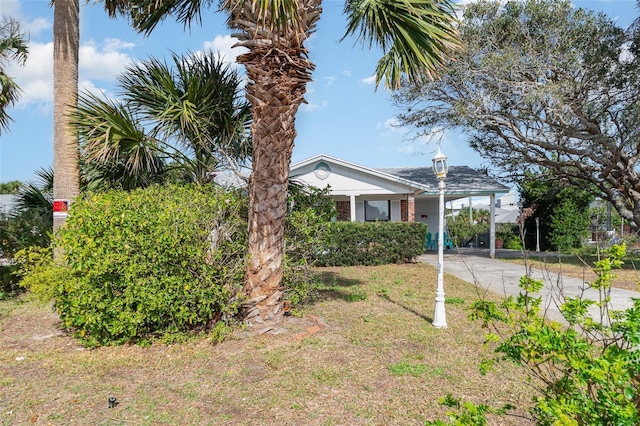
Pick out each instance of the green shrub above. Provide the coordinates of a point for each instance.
(309, 213)
(586, 373)
(38, 272)
(24, 228)
(462, 228)
(510, 235)
(149, 263)
(570, 226)
(371, 243)
(8, 281)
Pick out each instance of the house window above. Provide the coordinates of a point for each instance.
(377, 210)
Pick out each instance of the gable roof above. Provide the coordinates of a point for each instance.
(461, 180)
(362, 169)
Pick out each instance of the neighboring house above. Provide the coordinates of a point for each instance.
(502, 215)
(508, 201)
(8, 203)
(393, 194)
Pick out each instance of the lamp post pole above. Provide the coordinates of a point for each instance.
(440, 168)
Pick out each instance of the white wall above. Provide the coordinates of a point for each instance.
(428, 208)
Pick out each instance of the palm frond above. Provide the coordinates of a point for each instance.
(37, 196)
(13, 47)
(145, 15)
(196, 102)
(416, 36)
(13, 44)
(111, 134)
(273, 16)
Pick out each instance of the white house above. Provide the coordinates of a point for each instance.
(395, 194)
(8, 203)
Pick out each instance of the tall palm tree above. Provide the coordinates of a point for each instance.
(187, 118)
(13, 47)
(66, 45)
(416, 36)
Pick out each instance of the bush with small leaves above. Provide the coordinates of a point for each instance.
(309, 212)
(371, 243)
(584, 372)
(149, 263)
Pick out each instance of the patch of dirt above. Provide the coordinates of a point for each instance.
(32, 331)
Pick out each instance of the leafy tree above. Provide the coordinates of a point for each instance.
(186, 119)
(13, 47)
(10, 187)
(462, 228)
(543, 83)
(570, 225)
(416, 36)
(562, 211)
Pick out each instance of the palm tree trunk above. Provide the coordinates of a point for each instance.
(277, 83)
(275, 97)
(66, 42)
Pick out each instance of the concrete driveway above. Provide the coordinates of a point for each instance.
(502, 278)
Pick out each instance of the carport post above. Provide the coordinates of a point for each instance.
(492, 226)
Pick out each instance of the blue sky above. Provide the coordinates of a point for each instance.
(345, 116)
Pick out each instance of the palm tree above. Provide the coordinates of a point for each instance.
(13, 46)
(188, 119)
(416, 36)
(66, 45)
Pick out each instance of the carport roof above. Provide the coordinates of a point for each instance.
(460, 180)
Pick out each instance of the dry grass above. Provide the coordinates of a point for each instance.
(364, 353)
(628, 277)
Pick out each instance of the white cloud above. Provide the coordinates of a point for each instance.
(35, 27)
(310, 107)
(96, 63)
(329, 81)
(625, 54)
(419, 145)
(88, 86)
(32, 28)
(391, 126)
(310, 88)
(114, 44)
(10, 8)
(105, 62)
(369, 80)
(36, 77)
(436, 135)
(224, 46)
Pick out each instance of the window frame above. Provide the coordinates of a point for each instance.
(366, 204)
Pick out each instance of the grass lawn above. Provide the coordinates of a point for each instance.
(364, 353)
(628, 277)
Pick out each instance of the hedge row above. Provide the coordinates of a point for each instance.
(370, 243)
